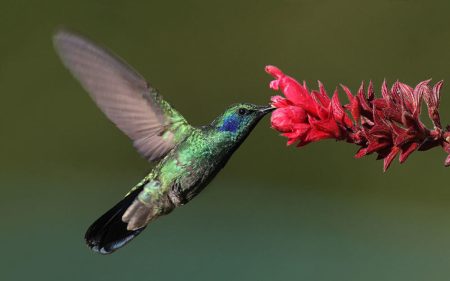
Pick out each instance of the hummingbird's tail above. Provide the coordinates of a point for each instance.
(109, 232)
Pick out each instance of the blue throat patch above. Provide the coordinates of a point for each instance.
(230, 124)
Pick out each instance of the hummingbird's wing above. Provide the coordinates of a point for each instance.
(123, 95)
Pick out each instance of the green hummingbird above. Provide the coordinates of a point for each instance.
(187, 157)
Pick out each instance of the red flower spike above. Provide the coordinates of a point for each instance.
(388, 126)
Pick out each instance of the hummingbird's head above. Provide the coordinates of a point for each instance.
(239, 120)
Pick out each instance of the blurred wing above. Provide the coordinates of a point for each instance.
(123, 95)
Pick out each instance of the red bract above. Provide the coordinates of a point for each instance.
(389, 125)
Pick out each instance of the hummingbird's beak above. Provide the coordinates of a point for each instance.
(266, 109)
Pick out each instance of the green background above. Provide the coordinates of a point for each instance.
(274, 212)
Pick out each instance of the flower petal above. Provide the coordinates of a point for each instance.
(447, 161)
(329, 127)
(361, 152)
(376, 146)
(279, 101)
(407, 151)
(391, 156)
(370, 92)
(432, 99)
(338, 111)
(274, 71)
(316, 135)
(284, 119)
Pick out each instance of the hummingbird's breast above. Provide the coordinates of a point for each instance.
(192, 165)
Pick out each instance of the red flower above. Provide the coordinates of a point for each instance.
(388, 126)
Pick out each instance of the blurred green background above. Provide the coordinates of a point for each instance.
(275, 212)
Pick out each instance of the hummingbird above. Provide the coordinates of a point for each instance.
(186, 158)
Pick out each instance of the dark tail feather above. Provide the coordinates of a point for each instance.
(109, 232)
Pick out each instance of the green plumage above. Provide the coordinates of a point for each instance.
(189, 157)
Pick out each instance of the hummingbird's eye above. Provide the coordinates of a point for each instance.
(242, 111)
